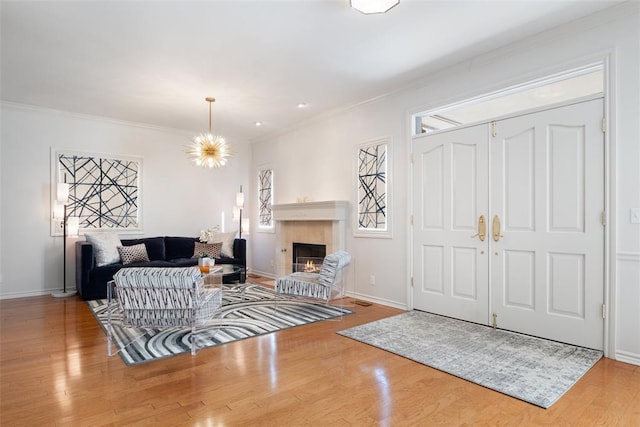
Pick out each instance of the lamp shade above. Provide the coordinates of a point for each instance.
(58, 211)
(240, 200)
(73, 226)
(62, 193)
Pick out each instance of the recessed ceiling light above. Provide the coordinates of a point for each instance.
(302, 105)
(258, 123)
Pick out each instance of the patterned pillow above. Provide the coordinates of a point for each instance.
(105, 246)
(212, 250)
(133, 253)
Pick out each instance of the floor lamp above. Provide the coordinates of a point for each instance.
(70, 226)
(240, 206)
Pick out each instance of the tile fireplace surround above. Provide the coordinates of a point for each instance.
(319, 223)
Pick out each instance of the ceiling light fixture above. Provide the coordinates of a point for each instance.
(208, 150)
(373, 6)
(302, 105)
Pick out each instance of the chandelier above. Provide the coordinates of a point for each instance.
(208, 150)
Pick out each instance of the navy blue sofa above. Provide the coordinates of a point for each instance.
(91, 281)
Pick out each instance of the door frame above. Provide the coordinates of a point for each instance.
(609, 159)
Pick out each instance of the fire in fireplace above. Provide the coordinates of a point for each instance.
(308, 257)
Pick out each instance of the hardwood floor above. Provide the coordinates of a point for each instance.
(54, 371)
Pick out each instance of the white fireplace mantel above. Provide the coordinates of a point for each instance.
(332, 210)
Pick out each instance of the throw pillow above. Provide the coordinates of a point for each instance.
(105, 246)
(227, 242)
(212, 250)
(133, 253)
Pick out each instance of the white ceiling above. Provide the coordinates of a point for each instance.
(154, 62)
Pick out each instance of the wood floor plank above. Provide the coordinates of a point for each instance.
(54, 370)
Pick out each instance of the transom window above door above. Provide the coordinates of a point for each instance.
(550, 90)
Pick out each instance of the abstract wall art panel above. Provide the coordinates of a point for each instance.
(105, 190)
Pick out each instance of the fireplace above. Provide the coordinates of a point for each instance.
(308, 257)
(315, 223)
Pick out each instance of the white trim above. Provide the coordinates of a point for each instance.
(609, 204)
(330, 210)
(627, 357)
(269, 275)
(12, 295)
(377, 300)
(628, 256)
(102, 119)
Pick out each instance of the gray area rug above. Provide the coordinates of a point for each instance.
(532, 369)
(247, 311)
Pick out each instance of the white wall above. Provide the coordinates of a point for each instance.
(316, 159)
(177, 198)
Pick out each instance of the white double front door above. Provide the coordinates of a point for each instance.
(508, 223)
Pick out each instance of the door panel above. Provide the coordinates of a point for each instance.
(567, 178)
(519, 183)
(547, 272)
(450, 188)
(519, 280)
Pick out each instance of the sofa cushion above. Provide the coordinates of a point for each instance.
(179, 247)
(184, 262)
(155, 247)
(105, 246)
(157, 263)
(226, 260)
(133, 253)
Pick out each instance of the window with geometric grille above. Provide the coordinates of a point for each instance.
(372, 167)
(265, 198)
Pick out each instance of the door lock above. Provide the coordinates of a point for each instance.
(482, 229)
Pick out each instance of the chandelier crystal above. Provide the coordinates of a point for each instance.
(208, 150)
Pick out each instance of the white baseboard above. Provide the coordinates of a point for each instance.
(381, 301)
(627, 357)
(262, 273)
(12, 295)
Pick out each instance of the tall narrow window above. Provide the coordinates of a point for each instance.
(265, 198)
(372, 166)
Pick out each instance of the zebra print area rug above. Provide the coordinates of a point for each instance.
(247, 311)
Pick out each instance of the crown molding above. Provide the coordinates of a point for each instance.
(15, 106)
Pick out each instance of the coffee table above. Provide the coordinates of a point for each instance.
(219, 271)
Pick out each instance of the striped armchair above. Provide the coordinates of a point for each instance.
(159, 298)
(326, 285)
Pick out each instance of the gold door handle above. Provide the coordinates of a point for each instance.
(482, 229)
(496, 228)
